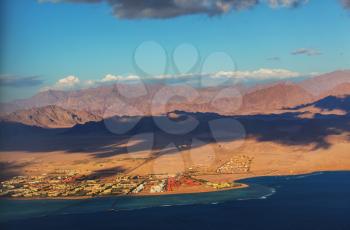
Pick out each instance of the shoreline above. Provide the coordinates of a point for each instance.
(241, 186)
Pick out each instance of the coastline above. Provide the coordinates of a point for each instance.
(208, 190)
(203, 189)
(225, 208)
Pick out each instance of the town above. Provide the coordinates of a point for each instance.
(78, 186)
(71, 183)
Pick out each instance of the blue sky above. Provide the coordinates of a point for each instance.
(47, 42)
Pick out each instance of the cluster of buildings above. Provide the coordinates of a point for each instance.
(70, 183)
(66, 186)
(237, 164)
(172, 183)
(221, 185)
(159, 187)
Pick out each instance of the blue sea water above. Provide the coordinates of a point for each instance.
(315, 201)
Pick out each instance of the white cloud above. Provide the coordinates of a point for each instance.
(72, 82)
(69, 82)
(111, 78)
(260, 74)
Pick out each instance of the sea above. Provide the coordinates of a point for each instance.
(314, 201)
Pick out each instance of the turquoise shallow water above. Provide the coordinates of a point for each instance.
(316, 201)
(22, 209)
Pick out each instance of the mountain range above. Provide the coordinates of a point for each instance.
(53, 108)
(50, 116)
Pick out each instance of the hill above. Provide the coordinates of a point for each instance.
(51, 116)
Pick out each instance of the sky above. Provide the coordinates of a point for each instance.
(70, 44)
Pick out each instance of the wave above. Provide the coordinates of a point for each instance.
(308, 175)
(273, 191)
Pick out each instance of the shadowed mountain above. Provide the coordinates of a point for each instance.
(330, 103)
(108, 137)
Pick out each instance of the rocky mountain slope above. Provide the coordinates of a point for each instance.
(50, 116)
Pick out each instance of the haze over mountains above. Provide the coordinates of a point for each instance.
(68, 108)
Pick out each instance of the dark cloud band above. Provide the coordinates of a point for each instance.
(13, 81)
(306, 51)
(133, 9)
(161, 9)
(346, 3)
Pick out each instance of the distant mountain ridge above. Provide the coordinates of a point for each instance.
(106, 101)
(321, 84)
